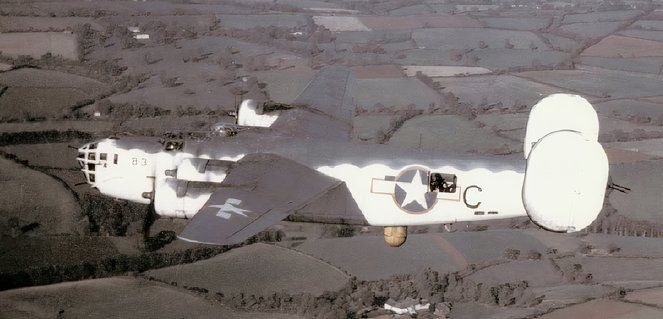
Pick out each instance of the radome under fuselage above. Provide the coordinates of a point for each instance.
(390, 185)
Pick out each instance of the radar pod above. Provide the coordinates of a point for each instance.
(567, 169)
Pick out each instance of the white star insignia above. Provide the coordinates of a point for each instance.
(415, 191)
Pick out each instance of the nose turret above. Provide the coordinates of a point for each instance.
(88, 159)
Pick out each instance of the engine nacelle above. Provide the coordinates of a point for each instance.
(252, 114)
(180, 198)
(183, 185)
(200, 170)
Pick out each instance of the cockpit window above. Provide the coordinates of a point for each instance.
(87, 158)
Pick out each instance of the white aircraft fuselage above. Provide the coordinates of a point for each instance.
(391, 186)
(304, 167)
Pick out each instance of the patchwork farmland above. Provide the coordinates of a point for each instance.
(454, 77)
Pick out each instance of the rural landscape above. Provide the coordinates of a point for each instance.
(455, 76)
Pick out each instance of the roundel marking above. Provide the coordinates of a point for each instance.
(409, 190)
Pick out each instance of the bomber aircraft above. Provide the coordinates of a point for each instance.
(299, 163)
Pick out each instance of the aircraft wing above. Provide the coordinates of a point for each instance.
(325, 107)
(259, 191)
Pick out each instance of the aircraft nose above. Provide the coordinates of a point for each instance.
(86, 158)
(80, 158)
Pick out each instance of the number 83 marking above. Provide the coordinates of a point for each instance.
(139, 161)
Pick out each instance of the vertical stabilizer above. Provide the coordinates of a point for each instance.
(560, 112)
(567, 169)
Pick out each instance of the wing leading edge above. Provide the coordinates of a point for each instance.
(259, 191)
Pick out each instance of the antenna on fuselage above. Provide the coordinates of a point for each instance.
(619, 188)
(239, 97)
(236, 110)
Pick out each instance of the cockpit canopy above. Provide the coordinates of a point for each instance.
(87, 157)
